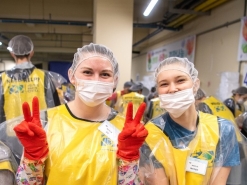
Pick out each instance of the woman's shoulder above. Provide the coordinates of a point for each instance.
(227, 129)
(228, 100)
(58, 110)
(226, 126)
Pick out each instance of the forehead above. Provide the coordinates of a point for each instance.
(96, 63)
(170, 74)
(244, 95)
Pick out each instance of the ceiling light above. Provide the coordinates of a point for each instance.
(150, 7)
(9, 48)
(1, 43)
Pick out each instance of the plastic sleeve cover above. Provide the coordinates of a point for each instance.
(230, 104)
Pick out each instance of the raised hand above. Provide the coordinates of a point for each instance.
(31, 134)
(133, 134)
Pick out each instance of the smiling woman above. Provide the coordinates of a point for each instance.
(186, 147)
(86, 141)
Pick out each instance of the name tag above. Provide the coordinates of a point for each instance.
(196, 166)
(109, 130)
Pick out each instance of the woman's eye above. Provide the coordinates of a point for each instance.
(181, 80)
(87, 72)
(105, 74)
(163, 84)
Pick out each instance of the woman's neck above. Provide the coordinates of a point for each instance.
(20, 61)
(187, 119)
(80, 110)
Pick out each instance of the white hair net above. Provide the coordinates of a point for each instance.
(95, 50)
(177, 63)
(20, 45)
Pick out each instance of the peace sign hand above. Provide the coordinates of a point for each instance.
(133, 134)
(31, 134)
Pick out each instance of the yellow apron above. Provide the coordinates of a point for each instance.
(108, 102)
(5, 163)
(133, 97)
(221, 110)
(157, 110)
(203, 147)
(118, 105)
(17, 92)
(79, 152)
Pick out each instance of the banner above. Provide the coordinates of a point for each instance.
(242, 45)
(182, 48)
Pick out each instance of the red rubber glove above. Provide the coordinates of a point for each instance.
(133, 134)
(31, 134)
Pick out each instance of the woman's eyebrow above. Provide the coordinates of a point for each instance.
(180, 76)
(106, 70)
(86, 68)
(162, 81)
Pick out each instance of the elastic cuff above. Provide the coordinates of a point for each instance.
(40, 161)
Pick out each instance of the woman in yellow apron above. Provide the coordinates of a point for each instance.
(185, 147)
(86, 142)
(236, 102)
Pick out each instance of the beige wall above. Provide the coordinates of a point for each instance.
(216, 51)
(113, 27)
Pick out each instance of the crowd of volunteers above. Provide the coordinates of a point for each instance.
(54, 132)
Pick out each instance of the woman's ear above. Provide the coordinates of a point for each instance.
(196, 85)
(115, 84)
(71, 77)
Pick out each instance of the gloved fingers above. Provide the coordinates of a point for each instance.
(126, 133)
(37, 130)
(129, 113)
(26, 112)
(140, 131)
(36, 113)
(23, 128)
(140, 113)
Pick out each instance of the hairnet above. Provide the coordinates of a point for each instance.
(95, 50)
(136, 87)
(128, 84)
(20, 45)
(240, 90)
(200, 94)
(177, 63)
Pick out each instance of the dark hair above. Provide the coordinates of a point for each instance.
(21, 57)
(153, 89)
(241, 91)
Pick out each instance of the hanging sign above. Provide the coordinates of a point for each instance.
(242, 45)
(182, 48)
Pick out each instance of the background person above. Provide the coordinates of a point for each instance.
(24, 81)
(236, 102)
(213, 106)
(135, 96)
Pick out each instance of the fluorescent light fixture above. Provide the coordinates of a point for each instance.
(1, 43)
(150, 7)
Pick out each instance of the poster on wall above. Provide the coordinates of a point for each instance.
(242, 45)
(182, 48)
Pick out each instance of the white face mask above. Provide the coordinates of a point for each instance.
(93, 93)
(177, 103)
(240, 101)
